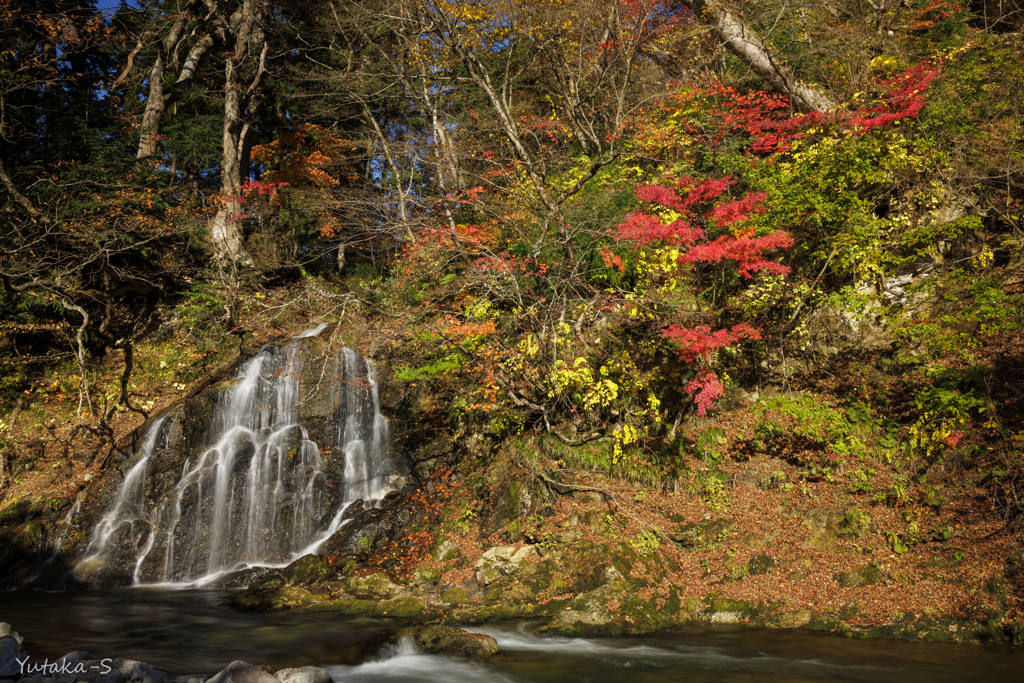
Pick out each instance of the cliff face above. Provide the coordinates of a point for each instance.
(251, 470)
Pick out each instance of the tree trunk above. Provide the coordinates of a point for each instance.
(154, 110)
(746, 44)
(156, 102)
(241, 103)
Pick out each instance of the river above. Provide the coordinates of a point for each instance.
(195, 631)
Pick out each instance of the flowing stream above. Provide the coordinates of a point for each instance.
(193, 631)
(262, 492)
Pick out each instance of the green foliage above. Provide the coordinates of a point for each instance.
(828, 436)
(646, 543)
(705, 444)
(943, 410)
(856, 523)
(205, 311)
(437, 368)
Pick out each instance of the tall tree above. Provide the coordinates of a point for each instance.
(178, 36)
(739, 37)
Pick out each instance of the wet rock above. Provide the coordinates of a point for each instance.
(450, 641)
(501, 561)
(77, 656)
(10, 652)
(434, 449)
(242, 672)
(305, 674)
(131, 669)
(367, 528)
(345, 606)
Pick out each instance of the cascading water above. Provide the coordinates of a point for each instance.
(262, 491)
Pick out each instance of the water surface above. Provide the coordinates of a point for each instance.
(195, 631)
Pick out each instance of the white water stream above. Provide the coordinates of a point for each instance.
(258, 494)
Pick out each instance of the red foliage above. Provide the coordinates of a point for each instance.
(904, 97)
(699, 343)
(936, 10)
(261, 189)
(743, 248)
(643, 229)
(738, 211)
(705, 389)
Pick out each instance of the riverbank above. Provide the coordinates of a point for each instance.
(593, 556)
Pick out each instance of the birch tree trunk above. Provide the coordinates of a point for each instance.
(748, 46)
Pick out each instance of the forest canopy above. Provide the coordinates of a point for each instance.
(590, 218)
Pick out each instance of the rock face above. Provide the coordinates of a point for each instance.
(453, 642)
(501, 561)
(253, 470)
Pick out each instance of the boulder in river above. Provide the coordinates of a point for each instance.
(450, 641)
(242, 672)
(11, 652)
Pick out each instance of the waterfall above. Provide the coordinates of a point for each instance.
(262, 491)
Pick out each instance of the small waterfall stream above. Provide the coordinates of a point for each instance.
(262, 491)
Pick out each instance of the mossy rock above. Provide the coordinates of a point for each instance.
(455, 596)
(373, 586)
(828, 622)
(309, 570)
(939, 630)
(705, 534)
(292, 596)
(591, 614)
(450, 642)
(403, 608)
(728, 611)
(446, 549)
(427, 575)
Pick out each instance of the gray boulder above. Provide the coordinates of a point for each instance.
(10, 652)
(242, 672)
